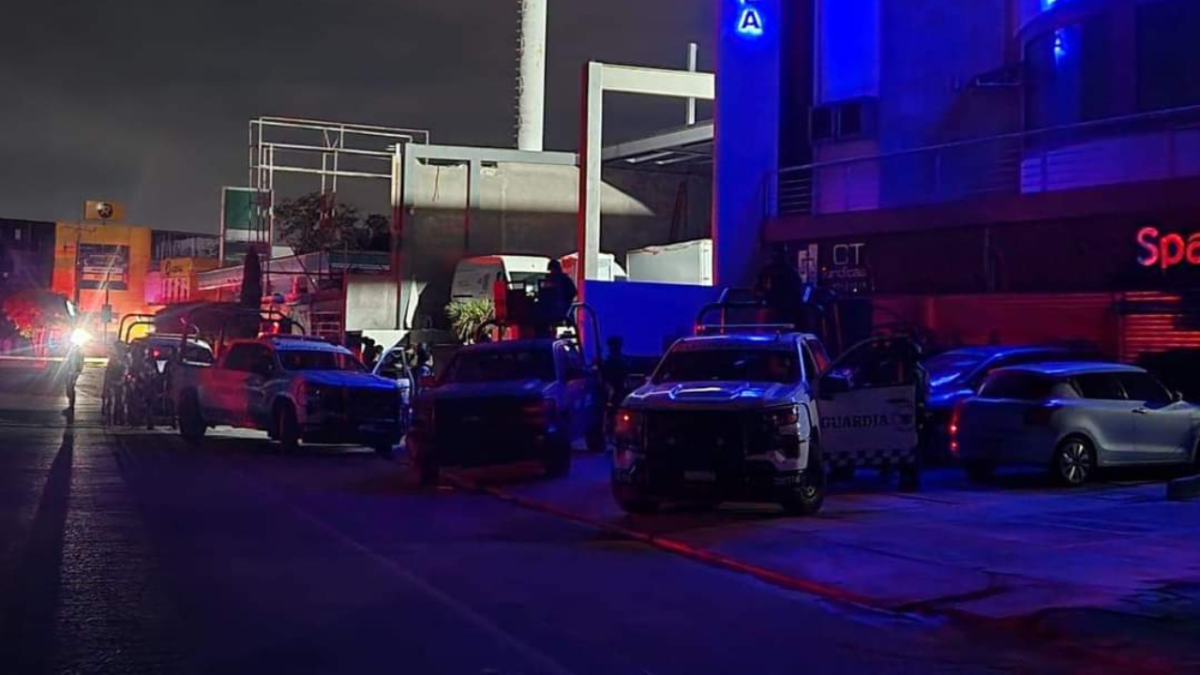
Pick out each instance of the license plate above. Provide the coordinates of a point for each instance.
(700, 476)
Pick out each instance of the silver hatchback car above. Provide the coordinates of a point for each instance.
(1074, 418)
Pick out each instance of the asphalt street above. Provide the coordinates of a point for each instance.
(125, 551)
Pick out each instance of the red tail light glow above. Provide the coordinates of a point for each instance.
(955, 424)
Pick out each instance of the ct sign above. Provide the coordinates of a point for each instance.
(750, 19)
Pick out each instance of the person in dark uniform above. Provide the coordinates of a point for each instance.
(556, 294)
(780, 287)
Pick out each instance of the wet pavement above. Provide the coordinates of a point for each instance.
(124, 551)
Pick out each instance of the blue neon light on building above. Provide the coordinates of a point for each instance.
(750, 19)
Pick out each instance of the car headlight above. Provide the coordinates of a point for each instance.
(80, 337)
(629, 425)
(786, 417)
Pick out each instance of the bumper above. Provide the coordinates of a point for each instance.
(337, 429)
(754, 481)
(472, 452)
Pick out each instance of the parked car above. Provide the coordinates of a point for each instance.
(1074, 418)
(957, 375)
(759, 417)
(508, 402)
(294, 388)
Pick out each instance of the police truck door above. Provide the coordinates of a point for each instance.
(867, 402)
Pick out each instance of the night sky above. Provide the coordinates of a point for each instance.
(146, 101)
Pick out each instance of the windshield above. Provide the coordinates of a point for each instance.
(501, 366)
(951, 367)
(729, 365)
(298, 359)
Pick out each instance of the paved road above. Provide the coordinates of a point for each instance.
(131, 552)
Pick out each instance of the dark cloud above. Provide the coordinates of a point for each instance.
(146, 101)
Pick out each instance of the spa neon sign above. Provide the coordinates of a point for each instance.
(750, 18)
(1167, 250)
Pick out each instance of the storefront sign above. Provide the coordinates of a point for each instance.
(103, 266)
(848, 274)
(750, 19)
(1168, 250)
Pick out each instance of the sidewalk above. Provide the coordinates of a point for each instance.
(1115, 563)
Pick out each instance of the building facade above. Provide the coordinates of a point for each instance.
(1016, 170)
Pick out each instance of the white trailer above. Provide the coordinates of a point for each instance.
(687, 263)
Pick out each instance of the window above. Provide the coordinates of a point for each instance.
(811, 370)
(240, 357)
(1068, 75)
(393, 366)
(821, 124)
(306, 359)
(730, 365)
(1017, 385)
(502, 365)
(1168, 63)
(1100, 387)
(1143, 387)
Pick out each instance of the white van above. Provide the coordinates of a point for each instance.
(474, 278)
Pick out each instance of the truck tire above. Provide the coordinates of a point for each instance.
(429, 472)
(287, 428)
(633, 503)
(558, 464)
(191, 422)
(808, 499)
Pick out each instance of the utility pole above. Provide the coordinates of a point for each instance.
(693, 64)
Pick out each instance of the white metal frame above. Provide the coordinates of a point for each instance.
(600, 78)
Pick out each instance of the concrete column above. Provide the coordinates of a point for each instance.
(532, 79)
(749, 63)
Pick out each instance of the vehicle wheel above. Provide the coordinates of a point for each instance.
(191, 423)
(559, 462)
(979, 472)
(910, 477)
(287, 428)
(808, 499)
(1074, 462)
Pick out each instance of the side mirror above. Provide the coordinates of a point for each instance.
(1176, 397)
(635, 382)
(833, 384)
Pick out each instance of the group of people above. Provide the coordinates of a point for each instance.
(135, 391)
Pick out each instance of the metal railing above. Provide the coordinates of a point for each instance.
(1144, 147)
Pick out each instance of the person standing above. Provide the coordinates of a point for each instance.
(556, 294)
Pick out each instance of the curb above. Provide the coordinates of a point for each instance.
(1183, 489)
(1031, 631)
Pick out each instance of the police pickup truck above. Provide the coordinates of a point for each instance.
(758, 413)
(509, 402)
(294, 388)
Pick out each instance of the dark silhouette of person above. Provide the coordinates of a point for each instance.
(615, 370)
(781, 288)
(556, 294)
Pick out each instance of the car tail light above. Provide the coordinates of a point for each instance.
(1040, 416)
(157, 353)
(955, 426)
